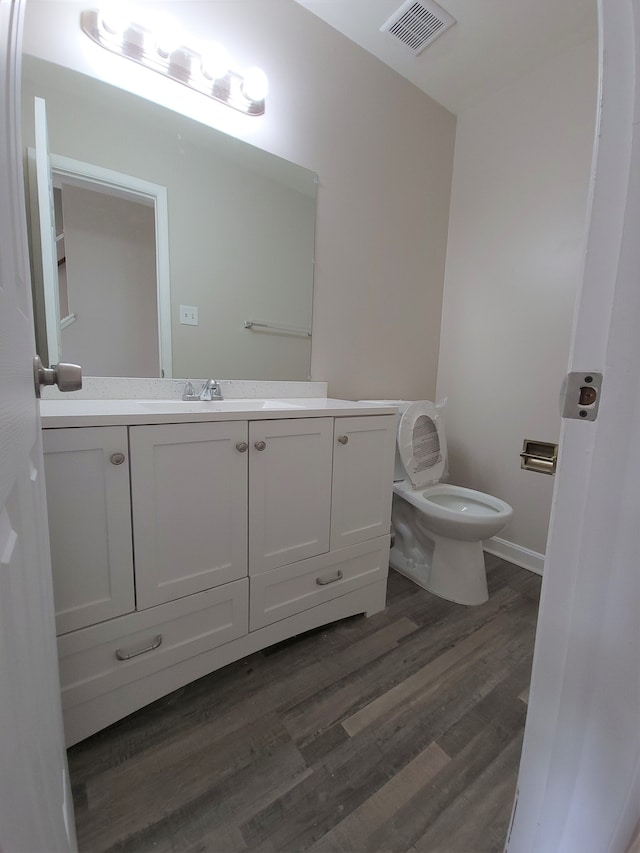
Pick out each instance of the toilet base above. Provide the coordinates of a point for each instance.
(449, 568)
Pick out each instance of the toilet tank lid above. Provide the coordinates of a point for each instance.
(422, 444)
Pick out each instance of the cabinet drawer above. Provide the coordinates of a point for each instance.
(291, 589)
(98, 659)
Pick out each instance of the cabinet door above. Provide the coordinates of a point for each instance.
(87, 480)
(189, 495)
(289, 490)
(363, 460)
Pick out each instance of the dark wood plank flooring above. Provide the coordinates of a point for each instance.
(401, 732)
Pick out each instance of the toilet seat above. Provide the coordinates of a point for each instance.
(453, 503)
(422, 445)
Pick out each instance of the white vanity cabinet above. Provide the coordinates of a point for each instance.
(87, 477)
(363, 461)
(343, 489)
(245, 531)
(189, 499)
(289, 491)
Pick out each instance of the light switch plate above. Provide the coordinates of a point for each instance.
(188, 315)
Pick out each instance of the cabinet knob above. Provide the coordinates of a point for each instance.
(260, 445)
(343, 439)
(117, 458)
(242, 446)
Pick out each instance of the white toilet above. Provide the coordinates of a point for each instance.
(439, 529)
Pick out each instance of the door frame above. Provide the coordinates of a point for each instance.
(120, 185)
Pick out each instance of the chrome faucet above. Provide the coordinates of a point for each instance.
(211, 390)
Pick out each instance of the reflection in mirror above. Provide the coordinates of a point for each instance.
(240, 245)
(107, 283)
(109, 273)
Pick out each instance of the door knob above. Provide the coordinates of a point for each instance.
(260, 445)
(343, 439)
(68, 377)
(242, 446)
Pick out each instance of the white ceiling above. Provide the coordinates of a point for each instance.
(492, 42)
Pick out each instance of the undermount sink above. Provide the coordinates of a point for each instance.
(246, 405)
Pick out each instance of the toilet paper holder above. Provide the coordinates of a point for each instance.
(540, 456)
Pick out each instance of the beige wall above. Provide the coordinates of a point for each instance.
(521, 175)
(383, 152)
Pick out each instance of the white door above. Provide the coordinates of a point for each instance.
(36, 812)
(579, 782)
(289, 490)
(363, 460)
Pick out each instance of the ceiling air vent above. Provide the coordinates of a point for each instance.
(417, 24)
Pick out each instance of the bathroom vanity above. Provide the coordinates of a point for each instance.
(185, 536)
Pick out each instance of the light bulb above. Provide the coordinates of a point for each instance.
(115, 18)
(255, 84)
(214, 61)
(166, 42)
(166, 34)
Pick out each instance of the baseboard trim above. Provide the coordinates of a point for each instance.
(523, 557)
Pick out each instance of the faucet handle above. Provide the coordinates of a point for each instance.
(189, 392)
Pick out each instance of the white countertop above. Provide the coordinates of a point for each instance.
(78, 413)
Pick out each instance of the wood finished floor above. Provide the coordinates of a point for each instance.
(401, 732)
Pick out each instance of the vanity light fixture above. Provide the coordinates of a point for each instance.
(205, 69)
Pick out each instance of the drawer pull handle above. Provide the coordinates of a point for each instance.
(117, 458)
(324, 581)
(343, 439)
(260, 445)
(242, 446)
(157, 640)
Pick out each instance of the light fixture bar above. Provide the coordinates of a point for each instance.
(181, 63)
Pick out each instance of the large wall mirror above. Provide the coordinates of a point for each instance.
(223, 283)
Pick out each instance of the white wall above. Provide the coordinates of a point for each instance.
(514, 261)
(383, 152)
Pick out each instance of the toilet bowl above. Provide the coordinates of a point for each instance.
(438, 528)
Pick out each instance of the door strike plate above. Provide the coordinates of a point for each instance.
(580, 395)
